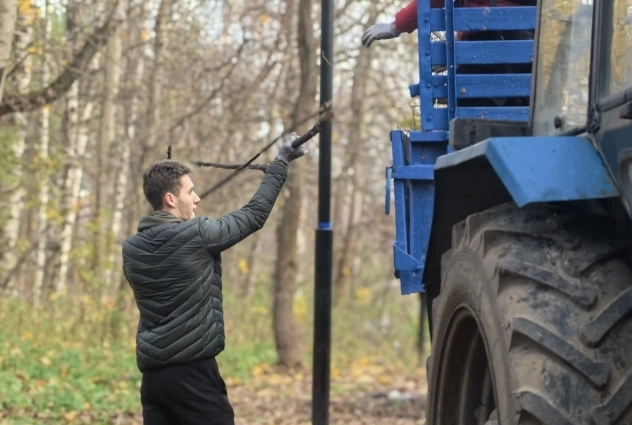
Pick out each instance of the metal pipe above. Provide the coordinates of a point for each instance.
(324, 234)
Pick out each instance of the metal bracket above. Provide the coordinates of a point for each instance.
(404, 262)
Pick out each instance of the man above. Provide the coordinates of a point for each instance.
(406, 19)
(173, 265)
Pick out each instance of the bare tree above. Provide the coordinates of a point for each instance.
(285, 277)
(76, 68)
(354, 169)
(107, 134)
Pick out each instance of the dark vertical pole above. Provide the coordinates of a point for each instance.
(324, 234)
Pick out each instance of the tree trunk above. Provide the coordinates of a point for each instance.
(107, 134)
(23, 37)
(8, 14)
(113, 272)
(355, 148)
(79, 136)
(44, 133)
(285, 327)
(154, 104)
(248, 287)
(154, 101)
(81, 94)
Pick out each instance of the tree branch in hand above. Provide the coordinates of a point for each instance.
(325, 116)
(261, 167)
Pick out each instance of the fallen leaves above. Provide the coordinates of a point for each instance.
(366, 393)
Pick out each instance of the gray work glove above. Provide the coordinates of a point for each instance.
(380, 32)
(287, 153)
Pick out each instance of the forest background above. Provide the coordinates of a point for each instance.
(93, 91)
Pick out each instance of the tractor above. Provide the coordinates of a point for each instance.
(512, 210)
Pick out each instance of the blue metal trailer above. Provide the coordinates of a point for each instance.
(512, 211)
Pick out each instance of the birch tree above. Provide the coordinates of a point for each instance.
(79, 104)
(8, 14)
(23, 72)
(44, 139)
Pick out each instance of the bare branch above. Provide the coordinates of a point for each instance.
(37, 99)
(325, 116)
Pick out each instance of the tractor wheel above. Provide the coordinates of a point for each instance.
(532, 323)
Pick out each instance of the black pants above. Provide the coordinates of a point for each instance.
(188, 394)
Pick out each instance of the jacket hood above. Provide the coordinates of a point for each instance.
(156, 218)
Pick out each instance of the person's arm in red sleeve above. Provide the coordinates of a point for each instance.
(405, 21)
(406, 18)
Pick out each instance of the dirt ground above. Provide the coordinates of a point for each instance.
(364, 396)
(361, 400)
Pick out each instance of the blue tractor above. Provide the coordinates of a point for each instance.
(512, 211)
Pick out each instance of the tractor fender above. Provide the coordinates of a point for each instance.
(525, 170)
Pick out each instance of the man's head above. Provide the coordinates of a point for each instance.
(168, 187)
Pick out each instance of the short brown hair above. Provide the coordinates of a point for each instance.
(160, 178)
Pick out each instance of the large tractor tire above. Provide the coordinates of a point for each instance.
(532, 323)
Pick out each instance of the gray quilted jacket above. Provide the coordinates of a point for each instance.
(174, 269)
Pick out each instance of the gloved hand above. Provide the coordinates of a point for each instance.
(380, 32)
(287, 153)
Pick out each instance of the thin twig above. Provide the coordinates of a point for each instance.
(325, 115)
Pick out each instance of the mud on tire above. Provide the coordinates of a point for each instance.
(545, 293)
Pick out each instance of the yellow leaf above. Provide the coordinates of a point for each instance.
(364, 295)
(265, 19)
(24, 6)
(300, 308)
(243, 267)
(274, 379)
(257, 371)
(26, 335)
(45, 361)
(382, 379)
(363, 361)
(87, 406)
(70, 416)
(144, 34)
(335, 373)
(233, 381)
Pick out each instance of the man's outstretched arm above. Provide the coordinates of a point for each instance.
(224, 232)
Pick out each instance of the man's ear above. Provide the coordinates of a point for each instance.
(169, 200)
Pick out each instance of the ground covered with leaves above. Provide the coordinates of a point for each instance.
(363, 395)
(74, 363)
(366, 393)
